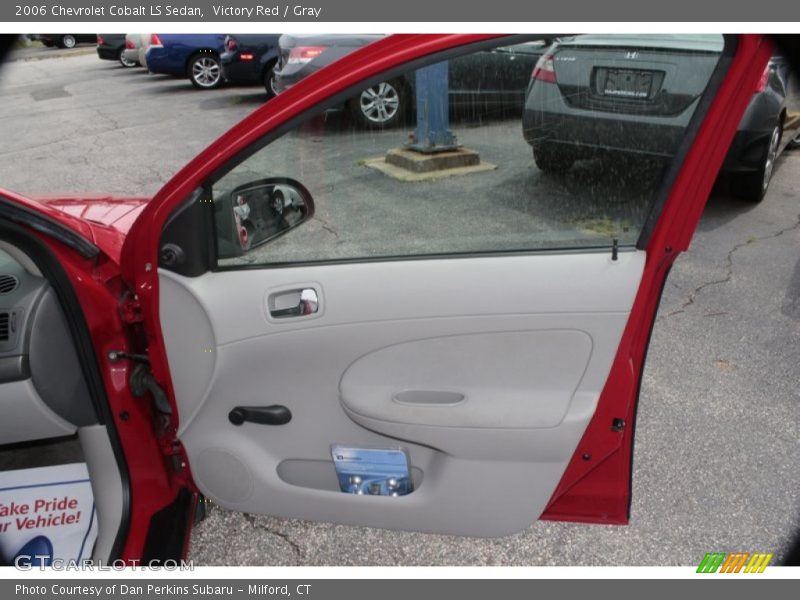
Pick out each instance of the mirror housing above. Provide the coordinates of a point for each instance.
(256, 212)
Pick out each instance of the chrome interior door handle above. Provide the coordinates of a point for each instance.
(307, 305)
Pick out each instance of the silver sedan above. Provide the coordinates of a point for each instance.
(136, 45)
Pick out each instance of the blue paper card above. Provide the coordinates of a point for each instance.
(372, 471)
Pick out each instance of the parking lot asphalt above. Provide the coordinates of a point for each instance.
(36, 51)
(717, 444)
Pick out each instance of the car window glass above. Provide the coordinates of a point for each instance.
(555, 146)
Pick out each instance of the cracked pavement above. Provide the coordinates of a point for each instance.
(717, 445)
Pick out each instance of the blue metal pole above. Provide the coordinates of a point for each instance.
(432, 133)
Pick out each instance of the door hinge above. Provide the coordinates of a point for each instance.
(130, 310)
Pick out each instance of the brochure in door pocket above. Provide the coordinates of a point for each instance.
(372, 471)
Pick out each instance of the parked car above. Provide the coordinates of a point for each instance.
(601, 95)
(183, 372)
(135, 44)
(388, 103)
(302, 55)
(145, 46)
(66, 40)
(250, 59)
(196, 56)
(111, 46)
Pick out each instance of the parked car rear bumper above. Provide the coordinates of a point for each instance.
(107, 52)
(159, 61)
(132, 54)
(288, 76)
(237, 71)
(548, 119)
(588, 135)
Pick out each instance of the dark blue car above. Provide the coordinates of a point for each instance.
(196, 56)
(250, 59)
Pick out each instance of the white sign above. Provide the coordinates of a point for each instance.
(46, 513)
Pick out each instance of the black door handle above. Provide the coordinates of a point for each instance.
(277, 414)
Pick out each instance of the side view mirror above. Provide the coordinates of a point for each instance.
(256, 212)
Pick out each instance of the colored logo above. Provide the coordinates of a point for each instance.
(734, 562)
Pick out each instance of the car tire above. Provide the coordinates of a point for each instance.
(753, 186)
(128, 64)
(551, 160)
(269, 80)
(795, 141)
(67, 41)
(381, 106)
(205, 71)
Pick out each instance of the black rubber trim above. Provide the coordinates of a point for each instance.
(49, 227)
(664, 190)
(14, 368)
(189, 228)
(52, 270)
(416, 257)
(166, 536)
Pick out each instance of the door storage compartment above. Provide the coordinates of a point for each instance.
(321, 474)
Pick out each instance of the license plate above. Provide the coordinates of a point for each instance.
(628, 83)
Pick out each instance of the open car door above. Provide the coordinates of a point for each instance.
(488, 320)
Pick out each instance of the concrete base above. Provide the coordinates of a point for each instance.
(420, 162)
(407, 165)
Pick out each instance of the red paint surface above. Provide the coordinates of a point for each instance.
(153, 483)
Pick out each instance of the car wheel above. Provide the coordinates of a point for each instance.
(795, 141)
(753, 186)
(277, 202)
(68, 41)
(552, 160)
(127, 63)
(382, 105)
(269, 81)
(205, 71)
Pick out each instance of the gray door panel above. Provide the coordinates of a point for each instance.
(487, 370)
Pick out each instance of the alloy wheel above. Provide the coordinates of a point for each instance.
(206, 71)
(772, 154)
(379, 104)
(125, 61)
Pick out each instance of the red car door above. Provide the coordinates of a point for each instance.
(295, 291)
